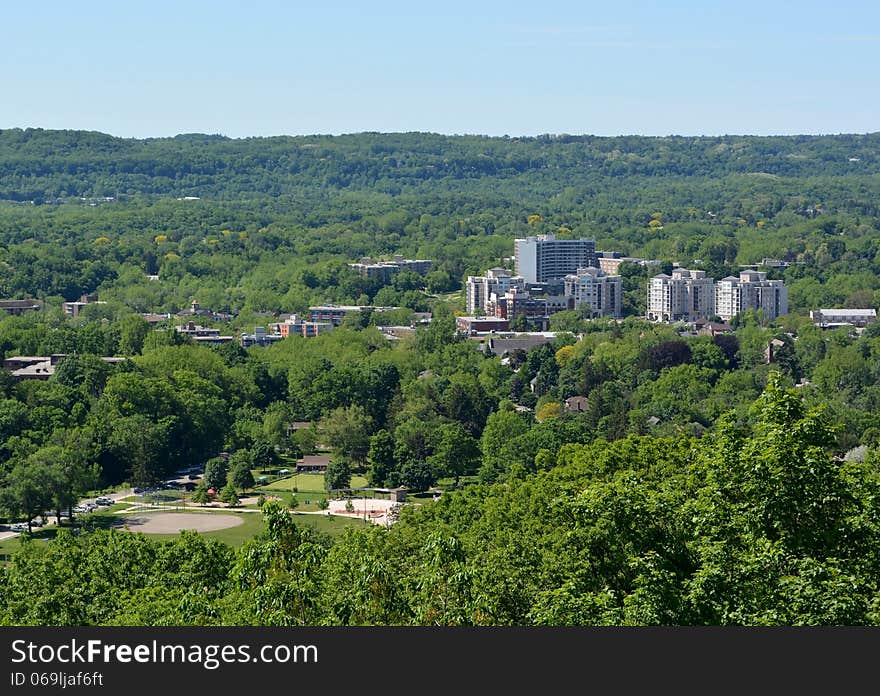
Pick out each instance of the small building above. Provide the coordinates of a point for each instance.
(711, 328)
(504, 345)
(576, 404)
(313, 464)
(153, 319)
(772, 349)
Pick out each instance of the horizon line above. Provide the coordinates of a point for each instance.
(562, 134)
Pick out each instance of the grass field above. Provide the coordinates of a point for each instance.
(310, 489)
(234, 536)
(307, 483)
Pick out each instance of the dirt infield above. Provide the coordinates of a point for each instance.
(172, 522)
(373, 509)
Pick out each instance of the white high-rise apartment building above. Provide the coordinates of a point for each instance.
(683, 296)
(751, 290)
(479, 289)
(596, 290)
(542, 258)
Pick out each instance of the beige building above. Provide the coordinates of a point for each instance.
(479, 289)
(596, 291)
(684, 295)
(751, 290)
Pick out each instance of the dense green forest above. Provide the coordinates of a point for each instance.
(698, 484)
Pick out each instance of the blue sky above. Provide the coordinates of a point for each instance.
(268, 67)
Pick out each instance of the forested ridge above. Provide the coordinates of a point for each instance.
(697, 482)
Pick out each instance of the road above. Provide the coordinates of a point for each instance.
(50, 519)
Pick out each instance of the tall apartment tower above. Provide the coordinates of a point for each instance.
(542, 258)
(683, 296)
(751, 290)
(595, 290)
(479, 289)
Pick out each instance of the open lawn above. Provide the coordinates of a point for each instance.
(306, 483)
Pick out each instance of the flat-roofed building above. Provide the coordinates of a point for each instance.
(479, 289)
(472, 325)
(609, 261)
(595, 292)
(835, 317)
(297, 326)
(336, 313)
(18, 307)
(542, 258)
(72, 309)
(383, 271)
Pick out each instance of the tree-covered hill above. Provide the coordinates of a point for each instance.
(42, 165)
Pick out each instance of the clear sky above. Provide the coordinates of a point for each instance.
(269, 67)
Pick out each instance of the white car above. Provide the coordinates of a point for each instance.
(18, 527)
(103, 500)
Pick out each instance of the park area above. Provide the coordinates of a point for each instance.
(163, 514)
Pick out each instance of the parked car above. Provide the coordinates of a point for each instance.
(194, 477)
(18, 527)
(138, 491)
(37, 522)
(80, 508)
(104, 500)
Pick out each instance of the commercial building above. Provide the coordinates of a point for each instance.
(295, 325)
(684, 295)
(519, 303)
(751, 290)
(595, 292)
(827, 318)
(473, 325)
(542, 258)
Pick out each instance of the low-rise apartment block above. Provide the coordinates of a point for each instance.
(383, 271)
